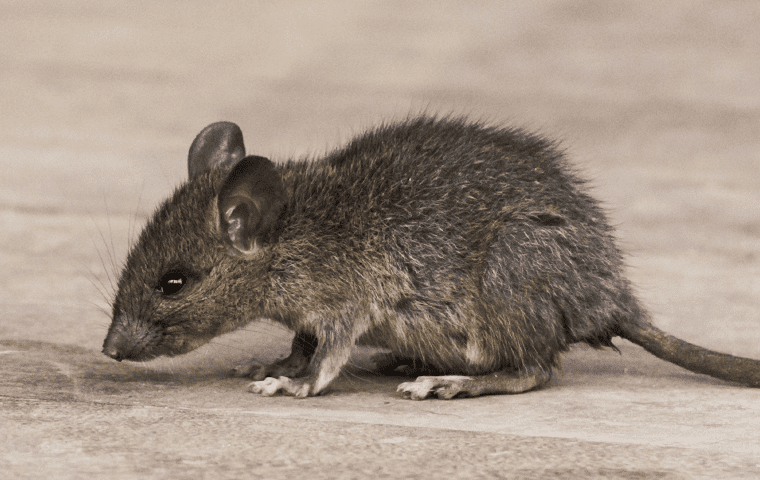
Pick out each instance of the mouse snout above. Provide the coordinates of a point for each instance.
(115, 345)
(127, 339)
(112, 351)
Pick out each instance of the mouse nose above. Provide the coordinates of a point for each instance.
(112, 352)
(117, 345)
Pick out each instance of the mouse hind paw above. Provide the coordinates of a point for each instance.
(446, 387)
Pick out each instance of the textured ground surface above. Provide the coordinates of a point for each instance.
(659, 104)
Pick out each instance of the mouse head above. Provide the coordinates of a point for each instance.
(191, 274)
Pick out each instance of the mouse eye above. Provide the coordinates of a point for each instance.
(172, 282)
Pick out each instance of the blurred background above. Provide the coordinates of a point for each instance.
(658, 103)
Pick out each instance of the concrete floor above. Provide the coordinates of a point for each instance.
(657, 102)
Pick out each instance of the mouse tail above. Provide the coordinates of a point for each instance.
(692, 357)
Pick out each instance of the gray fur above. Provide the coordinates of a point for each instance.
(462, 248)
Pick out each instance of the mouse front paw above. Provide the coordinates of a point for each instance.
(270, 386)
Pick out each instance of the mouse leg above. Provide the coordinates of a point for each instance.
(294, 365)
(329, 357)
(324, 368)
(446, 387)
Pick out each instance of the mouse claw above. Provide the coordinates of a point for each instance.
(267, 387)
(444, 387)
(420, 389)
(271, 386)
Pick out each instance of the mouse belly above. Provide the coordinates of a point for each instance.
(471, 336)
(446, 345)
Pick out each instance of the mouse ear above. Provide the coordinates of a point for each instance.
(250, 201)
(220, 145)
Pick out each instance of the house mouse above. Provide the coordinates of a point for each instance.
(473, 253)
